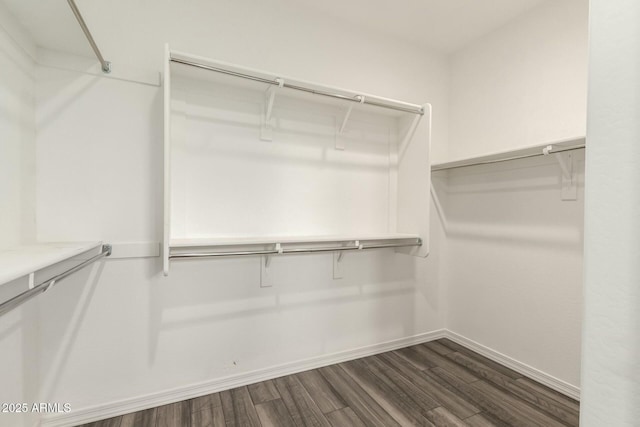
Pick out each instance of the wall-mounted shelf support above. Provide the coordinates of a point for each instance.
(265, 281)
(562, 162)
(345, 119)
(266, 131)
(409, 135)
(5, 307)
(265, 261)
(569, 178)
(337, 265)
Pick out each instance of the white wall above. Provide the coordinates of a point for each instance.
(279, 36)
(99, 149)
(18, 329)
(611, 366)
(514, 262)
(523, 84)
(514, 248)
(17, 133)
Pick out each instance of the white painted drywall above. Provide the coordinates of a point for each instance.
(135, 332)
(514, 248)
(514, 262)
(611, 334)
(99, 150)
(523, 84)
(17, 132)
(18, 329)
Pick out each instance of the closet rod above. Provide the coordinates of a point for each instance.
(356, 98)
(106, 65)
(44, 286)
(436, 168)
(418, 242)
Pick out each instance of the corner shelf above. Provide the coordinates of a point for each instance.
(519, 153)
(23, 260)
(259, 161)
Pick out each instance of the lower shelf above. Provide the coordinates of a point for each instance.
(23, 260)
(267, 246)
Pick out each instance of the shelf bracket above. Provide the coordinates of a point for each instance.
(266, 131)
(345, 119)
(409, 135)
(337, 264)
(265, 264)
(569, 179)
(265, 277)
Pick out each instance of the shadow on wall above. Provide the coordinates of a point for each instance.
(510, 203)
(41, 323)
(204, 292)
(77, 87)
(18, 361)
(59, 328)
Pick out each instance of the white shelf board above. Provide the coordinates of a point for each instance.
(577, 142)
(20, 261)
(270, 240)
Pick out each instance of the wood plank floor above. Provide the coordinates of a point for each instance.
(439, 383)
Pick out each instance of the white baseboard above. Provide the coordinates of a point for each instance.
(126, 406)
(522, 368)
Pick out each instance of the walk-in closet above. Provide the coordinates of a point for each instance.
(329, 213)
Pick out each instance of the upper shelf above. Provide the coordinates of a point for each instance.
(23, 260)
(270, 240)
(520, 153)
(200, 68)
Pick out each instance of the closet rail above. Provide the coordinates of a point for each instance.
(46, 285)
(282, 251)
(106, 65)
(377, 102)
(507, 156)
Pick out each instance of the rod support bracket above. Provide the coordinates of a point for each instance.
(337, 265)
(347, 113)
(265, 276)
(568, 179)
(106, 67)
(266, 130)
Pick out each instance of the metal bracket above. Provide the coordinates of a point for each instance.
(106, 67)
(569, 179)
(408, 136)
(345, 119)
(337, 264)
(265, 263)
(266, 130)
(265, 279)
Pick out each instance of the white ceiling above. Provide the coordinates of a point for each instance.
(445, 25)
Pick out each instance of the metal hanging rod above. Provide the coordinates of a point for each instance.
(44, 286)
(542, 152)
(355, 98)
(186, 255)
(106, 65)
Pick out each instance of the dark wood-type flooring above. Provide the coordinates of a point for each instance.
(439, 383)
